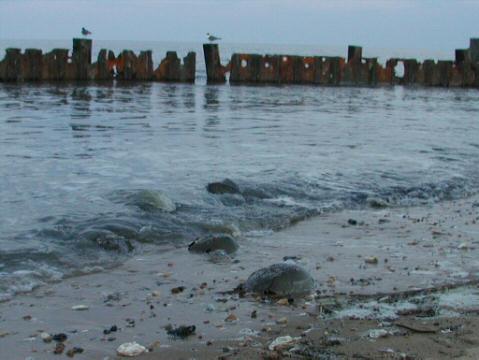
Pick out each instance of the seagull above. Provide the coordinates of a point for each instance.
(212, 37)
(85, 32)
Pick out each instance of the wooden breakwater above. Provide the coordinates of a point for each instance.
(335, 70)
(356, 70)
(58, 65)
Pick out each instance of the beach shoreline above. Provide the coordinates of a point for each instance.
(380, 259)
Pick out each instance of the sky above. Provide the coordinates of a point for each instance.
(422, 24)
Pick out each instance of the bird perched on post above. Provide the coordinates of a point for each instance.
(212, 37)
(85, 32)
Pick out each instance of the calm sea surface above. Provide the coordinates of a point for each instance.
(94, 173)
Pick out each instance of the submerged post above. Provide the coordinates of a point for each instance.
(214, 71)
(82, 57)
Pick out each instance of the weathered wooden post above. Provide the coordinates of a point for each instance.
(81, 58)
(32, 65)
(462, 55)
(331, 70)
(102, 69)
(463, 73)
(269, 69)
(411, 68)
(188, 70)
(474, 53)
(474, 49)
(372, 71)
(215, 72)
(170, 68)
(445, 71)
(245, 68)
(13, 65)
(144, 66)
(55, 65)
(355, 54)
(353, 69)
(126, 63)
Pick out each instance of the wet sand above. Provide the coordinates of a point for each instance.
(421, 291)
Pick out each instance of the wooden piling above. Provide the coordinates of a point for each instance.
(214, 70)
(81, 58)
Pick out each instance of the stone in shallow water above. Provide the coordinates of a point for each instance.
(226, 186)
(377, 203)
(108, 240)
(219, 257)
(150, 200)
(212, 243)
(283, 279)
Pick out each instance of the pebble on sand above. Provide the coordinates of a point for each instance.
(231, 317)
(182, 331)
(130, 349)
(212, 243)
(46, 337)
(79, 307)
(377, 333)
(283, 341)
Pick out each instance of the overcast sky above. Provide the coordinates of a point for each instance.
(424, 24)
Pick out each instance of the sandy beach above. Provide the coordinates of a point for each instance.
(392, 283)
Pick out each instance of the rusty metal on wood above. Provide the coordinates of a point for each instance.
(57, 65)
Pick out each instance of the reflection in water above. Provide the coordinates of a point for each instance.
(211, 96)
(80, 103)
(168, 98)
(189, 98)
(212, 107)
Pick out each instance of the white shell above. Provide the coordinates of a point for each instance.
(130, 349)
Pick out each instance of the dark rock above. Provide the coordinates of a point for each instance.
(59, 348)
(223, 187)
(377, 203)
(333, 341)
(219, 257)
(114, 328)
(294, 258)
(61, 337)
(108, 240)
(178, 290)
(214, 242)
(181, 331)
(352, 222)
(73, 351)
(283, 279)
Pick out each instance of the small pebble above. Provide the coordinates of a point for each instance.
(231, 317)
(61, 337)
(46, 337)
(59, 348)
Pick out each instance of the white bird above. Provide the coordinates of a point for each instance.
(85, 32)
(212, 37)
